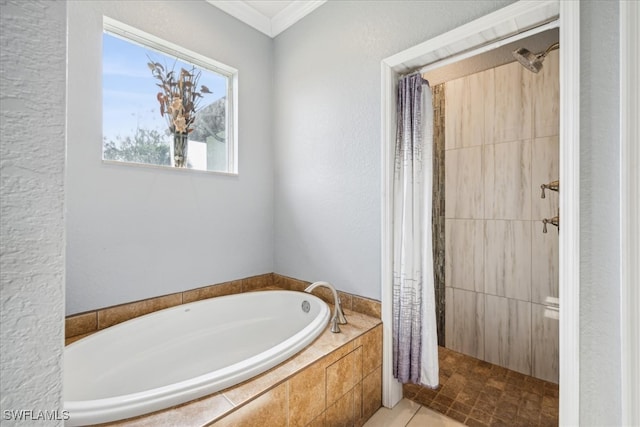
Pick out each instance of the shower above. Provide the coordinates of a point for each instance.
(532, 61)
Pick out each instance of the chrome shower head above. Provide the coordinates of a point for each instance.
(532, 61)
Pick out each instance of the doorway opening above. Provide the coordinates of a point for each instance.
(511, 24)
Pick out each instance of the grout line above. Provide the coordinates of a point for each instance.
(414, 415)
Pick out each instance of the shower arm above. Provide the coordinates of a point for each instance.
(554, 46)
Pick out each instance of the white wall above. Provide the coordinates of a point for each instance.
(600, 401)
(32, 95)
(327, 132)
(135, 232)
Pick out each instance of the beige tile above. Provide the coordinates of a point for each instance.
(371, 350)
(448, 317)
(544, 343)
(372, 393)
(464, 106)
(489, 106)
(468, 313)
(279, 281)
(507, 259)
(346, 300)
(544, 264)
(268, 409)
(464, 247)
(428, 417)
(319, 421)
(367, 306)
(546, 97)
(357, 405)
(228, 288)
(508, 333)
(298, 285)
(336, 346)
(340, 413)
(81, 324)
(398, 416)
(463, 183)
(513, 103)
(342, 376)
(289, 283)
(307, 395)
(247, 390)
(545, 168)
(114, 315)
(507, 180)
(196, 413)
(357, 365)
(257, 282)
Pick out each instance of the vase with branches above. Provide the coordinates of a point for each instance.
(179, 99)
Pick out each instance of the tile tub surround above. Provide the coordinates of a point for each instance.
(80, 325)
(480, 394)
(337, 380)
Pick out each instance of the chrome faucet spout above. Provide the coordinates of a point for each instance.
(338, 314)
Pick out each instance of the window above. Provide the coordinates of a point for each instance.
(156, 94)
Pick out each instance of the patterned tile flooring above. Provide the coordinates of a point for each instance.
(478, 393)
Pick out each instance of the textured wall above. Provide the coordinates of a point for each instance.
(32, 195)
(327, 132)
(600, 396)
(136, 232)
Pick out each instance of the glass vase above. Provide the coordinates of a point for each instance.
(180, 147)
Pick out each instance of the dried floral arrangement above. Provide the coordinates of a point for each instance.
(180, 96)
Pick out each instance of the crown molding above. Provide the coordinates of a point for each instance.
(292, 14)
(245, 13)
(240, 10)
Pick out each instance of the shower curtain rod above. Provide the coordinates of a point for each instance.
(486, 48)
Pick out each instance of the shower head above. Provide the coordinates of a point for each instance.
(532, 61)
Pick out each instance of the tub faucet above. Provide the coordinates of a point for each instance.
(338, 314)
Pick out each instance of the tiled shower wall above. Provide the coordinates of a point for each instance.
(501, 144)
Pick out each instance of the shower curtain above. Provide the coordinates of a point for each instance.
(415, 345)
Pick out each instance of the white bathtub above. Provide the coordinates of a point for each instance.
(185, 352)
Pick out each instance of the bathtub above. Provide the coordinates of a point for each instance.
(185, 352)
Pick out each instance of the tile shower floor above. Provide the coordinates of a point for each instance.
(478, 393)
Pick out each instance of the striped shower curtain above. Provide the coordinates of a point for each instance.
(415, 341)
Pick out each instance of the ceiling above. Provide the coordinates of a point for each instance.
(268, 16)
(274, 16)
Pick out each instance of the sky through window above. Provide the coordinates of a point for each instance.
(129, 89)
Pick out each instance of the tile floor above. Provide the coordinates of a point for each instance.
(475, 393)
(408, 413)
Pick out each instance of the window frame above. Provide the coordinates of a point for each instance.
(149, 41)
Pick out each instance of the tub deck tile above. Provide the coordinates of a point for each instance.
(195, 413)
(248, 390)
